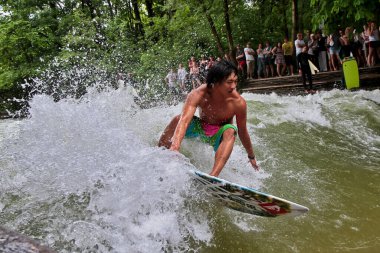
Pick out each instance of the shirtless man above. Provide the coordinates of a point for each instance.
(218, 102)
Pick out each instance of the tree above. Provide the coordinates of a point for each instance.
(295, 20)
(212, 27)
(344, 13)
(232, 49)
(138, 23)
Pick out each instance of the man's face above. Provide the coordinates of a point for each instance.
(230, 84)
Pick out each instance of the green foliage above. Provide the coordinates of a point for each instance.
(74, 32)
(21, 47)
(339, 13)
(81, 35)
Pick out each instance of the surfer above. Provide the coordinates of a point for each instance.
(303, 59)
(218, 103)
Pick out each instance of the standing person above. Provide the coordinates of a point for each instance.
(335, 46)
(210, 63)
(280, 59)
(304, 67)
(312, 44)
(299, 43)
(358, 48)
(170, 79)
(346, 46)
(322, 51)
(250, 59)
(240, 58)
(260, 61)
(374, 44)
(346, 40)
(268, 60)
(366, 42)
(287, 47)
(203, 68)
(194, 73)
(181, 74)
(218, 103)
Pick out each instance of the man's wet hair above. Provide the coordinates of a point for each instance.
(220, 72)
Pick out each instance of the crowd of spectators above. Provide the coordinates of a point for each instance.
(326, 52)
(182, 80)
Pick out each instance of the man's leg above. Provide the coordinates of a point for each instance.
(165, 139)
(310, 79)
(224, 151)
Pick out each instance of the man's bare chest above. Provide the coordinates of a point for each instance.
(217, 113)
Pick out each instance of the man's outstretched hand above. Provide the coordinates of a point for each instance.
(254, 164)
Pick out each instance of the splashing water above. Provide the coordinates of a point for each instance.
(85, 175)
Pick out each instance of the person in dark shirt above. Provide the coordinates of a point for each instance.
(322, 49)
(303, 64)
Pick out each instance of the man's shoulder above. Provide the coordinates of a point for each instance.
(238, 100)
(239, 104)
(199, 92)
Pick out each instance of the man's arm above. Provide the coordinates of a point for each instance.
(241, 121)
(187, 114)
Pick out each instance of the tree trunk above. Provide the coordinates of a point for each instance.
(284, 22)
(110, 9)
(232, 49)
(213, 28)
(295, 19)
(149, 8)
(90, 6)
(139, 27)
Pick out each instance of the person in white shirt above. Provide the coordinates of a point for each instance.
(373, 44)
(299, 43)
(170, 79)
(250, 59)
(181, 74)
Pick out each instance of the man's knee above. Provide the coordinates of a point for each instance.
(229, 134)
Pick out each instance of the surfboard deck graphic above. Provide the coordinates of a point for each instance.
(248, 200)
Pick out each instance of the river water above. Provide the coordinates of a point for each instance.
(86, 176)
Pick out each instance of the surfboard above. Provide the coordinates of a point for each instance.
(313, 68)
(246, 199)
(350, 73)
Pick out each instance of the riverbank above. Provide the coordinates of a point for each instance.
(292, 85)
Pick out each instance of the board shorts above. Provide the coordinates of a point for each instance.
(288, 60)
(211, 134)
